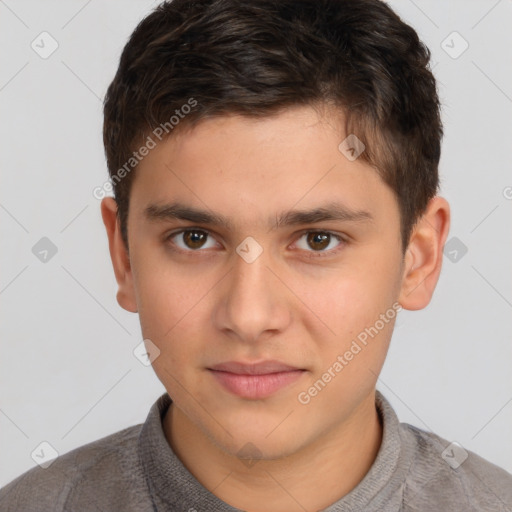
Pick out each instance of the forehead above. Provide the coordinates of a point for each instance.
(250, 165)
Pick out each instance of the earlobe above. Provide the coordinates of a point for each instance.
(424, 256)
(119, 256)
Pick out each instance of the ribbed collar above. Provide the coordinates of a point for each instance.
(173, 487)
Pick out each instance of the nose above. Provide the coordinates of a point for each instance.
(253, 302)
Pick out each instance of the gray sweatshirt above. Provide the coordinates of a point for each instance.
(136, 470)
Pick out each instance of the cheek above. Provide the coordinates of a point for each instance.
(174, 325)
(164, 293)
(350, 361)
(348, 298)
(174, 311)
(355, 302)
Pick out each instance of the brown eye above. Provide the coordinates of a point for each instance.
(194, 239)
(190, 240)
(320, 243)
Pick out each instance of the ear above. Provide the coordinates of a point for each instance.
(424, 255)
(119, 255)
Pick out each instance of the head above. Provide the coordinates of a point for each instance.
(308, 135)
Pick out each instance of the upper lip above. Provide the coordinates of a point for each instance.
(259, 368)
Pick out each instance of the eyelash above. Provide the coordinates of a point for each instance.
(313, 254)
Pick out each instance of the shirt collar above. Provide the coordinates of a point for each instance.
(173, 487)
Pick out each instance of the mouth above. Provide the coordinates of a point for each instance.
(255, 380)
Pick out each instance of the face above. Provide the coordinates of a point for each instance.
(267, 283)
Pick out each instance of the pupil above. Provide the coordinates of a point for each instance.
(319, 238)
(195, 238)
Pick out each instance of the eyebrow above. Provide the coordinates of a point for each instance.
(327, 212)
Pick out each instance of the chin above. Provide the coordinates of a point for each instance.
(263, 441)
(252, 451)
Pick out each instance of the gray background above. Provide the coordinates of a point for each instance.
(67, 372)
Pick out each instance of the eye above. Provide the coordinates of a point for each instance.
(190, 240)
(321, 242)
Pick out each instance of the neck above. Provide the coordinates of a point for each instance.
(315, 477)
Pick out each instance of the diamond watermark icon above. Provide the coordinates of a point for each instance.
(249, 249)
(351, 147)
(454, 454)
(455, 249)
(249, 454)
(44, 454)
(146, 352)
(44, 45)
(44, 250)
(454, 45)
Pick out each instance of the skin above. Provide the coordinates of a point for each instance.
(209, 305)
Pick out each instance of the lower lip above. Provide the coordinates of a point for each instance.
(256, 386)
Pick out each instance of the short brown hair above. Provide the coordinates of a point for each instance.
(259, 57)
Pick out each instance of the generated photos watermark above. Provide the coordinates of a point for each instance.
(304, 397)
(157, 134)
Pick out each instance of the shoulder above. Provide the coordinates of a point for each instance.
(445, 476)
(108, 467)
